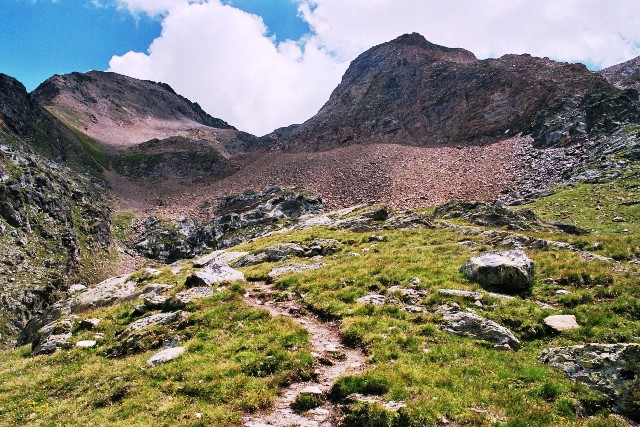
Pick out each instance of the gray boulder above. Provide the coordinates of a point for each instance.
(52, 343)
(508, 271)
(213, 274)
(489, 215)
(284, 250)
(611, 369)
(53, 336)
(154, 301)
(561, 322)
(322, 247)
(473, 326)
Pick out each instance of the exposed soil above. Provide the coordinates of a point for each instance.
(325, 341)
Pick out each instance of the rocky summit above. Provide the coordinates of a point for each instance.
(450, 241)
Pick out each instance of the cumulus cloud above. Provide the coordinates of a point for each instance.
(224, 59)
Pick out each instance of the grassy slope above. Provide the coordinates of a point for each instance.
(238, 357)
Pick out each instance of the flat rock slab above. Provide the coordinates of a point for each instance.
(104, 293)
(218, 257)
(611, 369)
(373, 299)
(473, 326)
(508, 271)
(561, 322)
(165, 356)
(156, 319)
(293, 268)
(155, 301)
(311, 389)
(86, 344)
(213, 274)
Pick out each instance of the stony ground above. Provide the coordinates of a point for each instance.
(401, 176)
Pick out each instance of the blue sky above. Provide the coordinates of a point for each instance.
(40, 38)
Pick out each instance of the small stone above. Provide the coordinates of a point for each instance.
(89, 323)
(165, 356)
(415, 281)
(561, 322)
(86, 344)
(563, 292)
(618, 219)
(478, 304)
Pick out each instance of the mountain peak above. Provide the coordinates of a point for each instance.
(439, 52)
(625, 75)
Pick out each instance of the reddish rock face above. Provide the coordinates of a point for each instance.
(410, 91)
(123, 112)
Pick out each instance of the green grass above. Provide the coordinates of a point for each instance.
(239, 357)
(236, 359)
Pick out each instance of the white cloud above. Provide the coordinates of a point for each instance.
(222, 57)
(150, 7)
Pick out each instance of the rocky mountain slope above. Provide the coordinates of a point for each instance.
(625, 75)
(54, 210)
(410, 91)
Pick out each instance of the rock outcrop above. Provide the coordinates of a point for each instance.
(611, 369)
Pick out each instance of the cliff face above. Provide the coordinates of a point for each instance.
(54, 214)
(410, 91)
